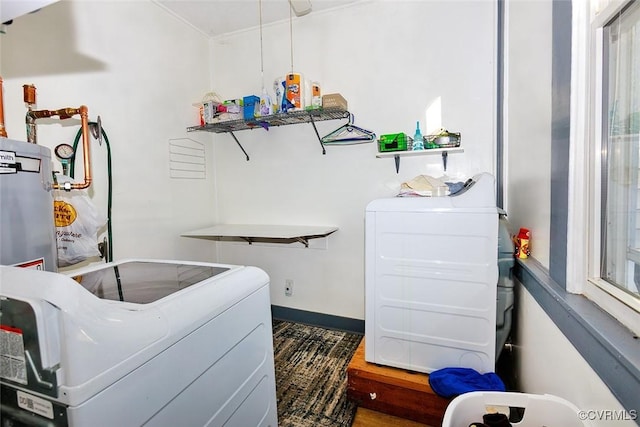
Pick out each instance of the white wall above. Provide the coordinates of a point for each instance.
(140, 70)
(528, 123)
(390, 60)
(549, 363)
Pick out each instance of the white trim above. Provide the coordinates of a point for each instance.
(613, 7)
(494, 98)
(617, 293)
(578, 159)
(594, 139)
(584, 232)
(601, 293)
(598, 18)
(505, 103)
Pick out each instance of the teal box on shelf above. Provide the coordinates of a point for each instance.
(250, 104)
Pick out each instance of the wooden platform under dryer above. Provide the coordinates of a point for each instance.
(393, 391)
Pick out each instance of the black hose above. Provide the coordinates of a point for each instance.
(109, 256)
(110, 185)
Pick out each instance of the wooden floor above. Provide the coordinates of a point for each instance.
(368, 418)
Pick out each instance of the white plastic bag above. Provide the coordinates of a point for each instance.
(77, 223)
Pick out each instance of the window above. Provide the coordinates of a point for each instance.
(620, 148)
(603, 242)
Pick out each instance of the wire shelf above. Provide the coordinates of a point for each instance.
(281, 119)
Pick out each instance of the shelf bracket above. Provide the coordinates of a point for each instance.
(303, 240)
(313, 123)
(445, 156)
(239, 145)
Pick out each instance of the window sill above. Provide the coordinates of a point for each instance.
(614, 301)
(611, 349)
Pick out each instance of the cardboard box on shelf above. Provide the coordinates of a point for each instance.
(334, 100)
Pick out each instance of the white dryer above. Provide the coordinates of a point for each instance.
(431, 274)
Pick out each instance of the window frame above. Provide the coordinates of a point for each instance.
(585, 189)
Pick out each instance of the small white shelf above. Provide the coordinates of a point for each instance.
(255, 232)
(424, 152)
(444, 152)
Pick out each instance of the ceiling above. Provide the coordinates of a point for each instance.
(216, 17)
(10, 9)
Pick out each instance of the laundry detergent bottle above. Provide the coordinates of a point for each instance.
(294, 91)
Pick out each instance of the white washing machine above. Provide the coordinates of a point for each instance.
(431, 273)
(137, 343)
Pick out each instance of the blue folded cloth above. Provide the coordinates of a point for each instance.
(455, 187)
(450, 382)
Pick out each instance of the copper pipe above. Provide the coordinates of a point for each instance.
(29, 94)
(84, 114)
(3, 131)
(63, 113)
(84, 117)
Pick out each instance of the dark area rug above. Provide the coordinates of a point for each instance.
(311, 375)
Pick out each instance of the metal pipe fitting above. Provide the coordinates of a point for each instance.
(29, 96)
(63, 113)
(84, 114)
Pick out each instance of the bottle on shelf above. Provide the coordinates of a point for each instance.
(418, 143)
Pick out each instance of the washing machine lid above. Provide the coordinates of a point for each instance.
(143, 282)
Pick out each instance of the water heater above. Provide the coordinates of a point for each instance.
(27, 229)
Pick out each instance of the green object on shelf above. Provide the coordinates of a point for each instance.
(392, 142)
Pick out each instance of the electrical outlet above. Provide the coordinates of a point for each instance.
(288, 287)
